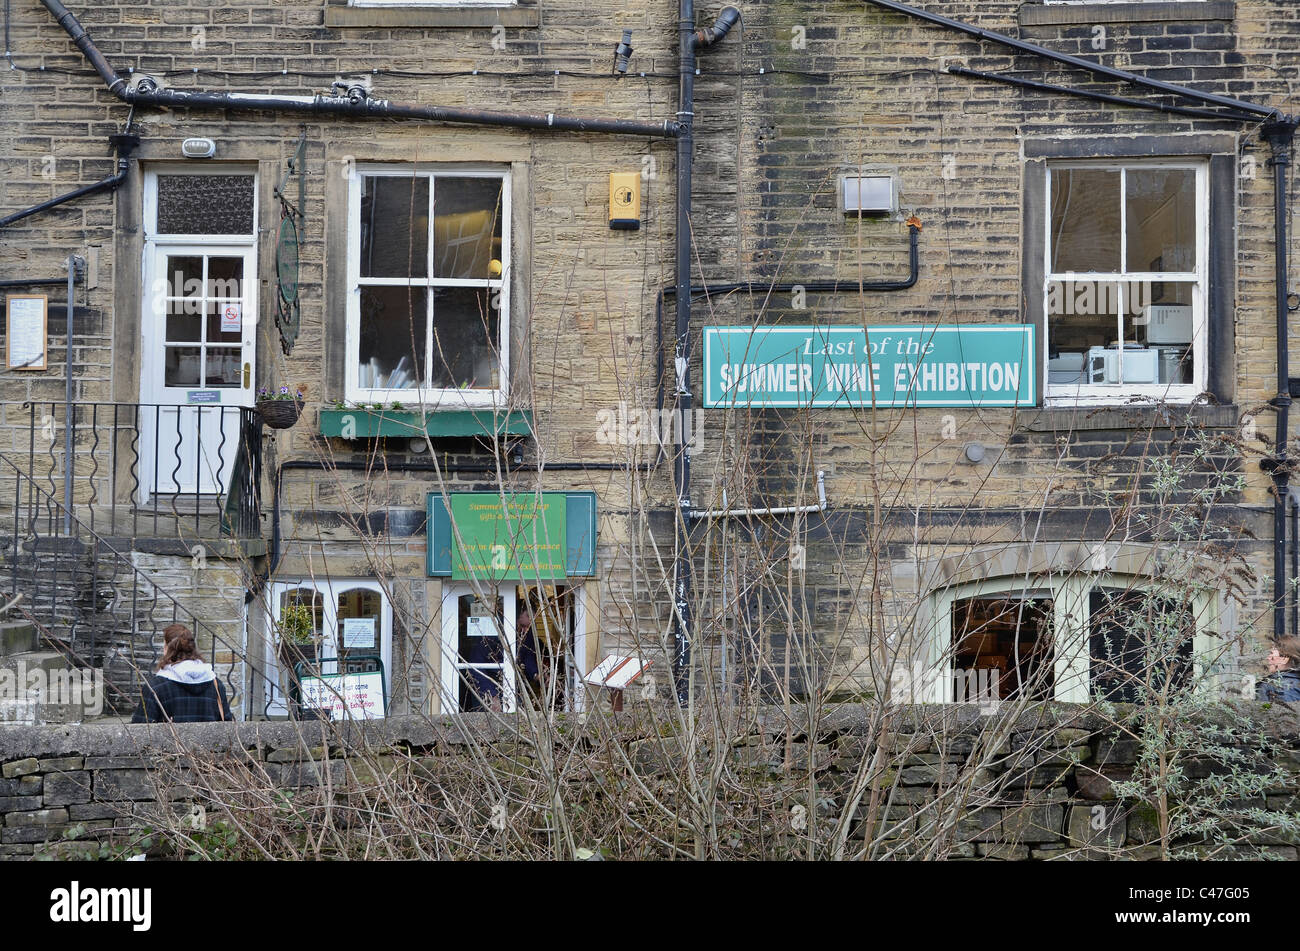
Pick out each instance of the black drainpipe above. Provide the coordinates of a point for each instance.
(355, 105)
(124, 144)
(688, 40)
(1280, 135)
(785, 287)
(351, 465)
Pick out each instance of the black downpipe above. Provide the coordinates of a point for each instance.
(125, 145)
(1295, 561)
(1103, 97)
(348, 465)
(1097, 69)
(1280, 135)
(787, 287)
(146, 92)
(682, 567)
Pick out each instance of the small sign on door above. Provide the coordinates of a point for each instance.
(232, 318)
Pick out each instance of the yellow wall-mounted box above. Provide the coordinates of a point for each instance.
(625, 201)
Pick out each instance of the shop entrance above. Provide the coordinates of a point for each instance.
(511, 644)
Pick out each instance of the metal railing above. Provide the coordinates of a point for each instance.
(147, 468)
(89, 600)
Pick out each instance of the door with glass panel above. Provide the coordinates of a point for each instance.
(351, 621)
(198, 329)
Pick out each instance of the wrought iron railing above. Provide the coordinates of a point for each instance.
(90, 601)
(146, 468)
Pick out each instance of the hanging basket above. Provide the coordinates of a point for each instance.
(280, 414)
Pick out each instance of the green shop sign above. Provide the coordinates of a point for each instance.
(851, 367)
(524, 536)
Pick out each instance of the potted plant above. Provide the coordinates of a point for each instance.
(280, 408)
(297, 637)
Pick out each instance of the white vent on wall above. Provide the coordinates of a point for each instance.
(868, 194)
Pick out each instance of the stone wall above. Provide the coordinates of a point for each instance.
(1029, 784)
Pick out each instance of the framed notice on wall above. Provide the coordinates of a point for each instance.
(26, 332)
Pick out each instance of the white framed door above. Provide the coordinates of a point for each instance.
(198, 328)
(478, 649)
(530, 645)
(351, 617)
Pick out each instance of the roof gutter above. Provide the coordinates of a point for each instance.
(146, 91)
(1097, 69)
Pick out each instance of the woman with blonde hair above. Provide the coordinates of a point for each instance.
(185, 689)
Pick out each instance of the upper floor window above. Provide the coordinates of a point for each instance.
(1126, 280)
(428, 303)
(432, 3)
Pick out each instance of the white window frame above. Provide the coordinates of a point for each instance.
(1103, 394)
(329, 589)
(1071, 630)
(424, 396)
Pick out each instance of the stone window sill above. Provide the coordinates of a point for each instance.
(1068, 14)
(1062, 419)
(339, 14)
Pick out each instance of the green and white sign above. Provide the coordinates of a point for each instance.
(851, 367)
(523, 539)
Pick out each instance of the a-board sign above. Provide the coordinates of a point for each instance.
(844, 367)
(345, 696)
(26, 332)
(616, 672)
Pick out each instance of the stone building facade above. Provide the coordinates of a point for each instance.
(481, 255)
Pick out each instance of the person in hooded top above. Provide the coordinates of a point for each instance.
(185, 689)
(1283, 681)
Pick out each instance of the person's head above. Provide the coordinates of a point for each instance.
(178, 645)
(1285, 655)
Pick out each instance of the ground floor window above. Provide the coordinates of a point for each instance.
(510, 644)
(1010, 639)
(1078, 638)
(1140, 645)
(349, 621)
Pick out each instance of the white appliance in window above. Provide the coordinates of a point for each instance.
(1169, 324)
(1066, 369)
(1104, 365)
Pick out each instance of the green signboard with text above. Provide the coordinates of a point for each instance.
(515, 536)
(772, 367)
(523, 536)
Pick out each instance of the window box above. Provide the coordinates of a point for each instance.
(372, 423)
